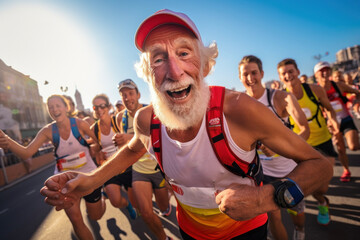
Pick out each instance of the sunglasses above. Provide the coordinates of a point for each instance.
(101, 106)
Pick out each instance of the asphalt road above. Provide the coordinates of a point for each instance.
(24, 215)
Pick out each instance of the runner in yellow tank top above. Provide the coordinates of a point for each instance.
(320, 137)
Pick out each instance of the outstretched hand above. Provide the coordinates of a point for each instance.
(4, 143)
(63, 189)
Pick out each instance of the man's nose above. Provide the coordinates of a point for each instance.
(174, 70)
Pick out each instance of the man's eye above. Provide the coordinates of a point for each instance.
(158, 60)
(184, 54)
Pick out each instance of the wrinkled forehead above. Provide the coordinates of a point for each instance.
(168, 33)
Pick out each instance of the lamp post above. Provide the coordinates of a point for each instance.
(319, 56)
(64, 89)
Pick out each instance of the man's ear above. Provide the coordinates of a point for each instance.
(206, 69)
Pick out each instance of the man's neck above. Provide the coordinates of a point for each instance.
(132, 113)
(256, 92)
(296, 89)
(184, 135)
(325, 83)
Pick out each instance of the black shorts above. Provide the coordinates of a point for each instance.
(124, 179)
(259, 233)
(326, 149)
(347, 124)
(94, 197)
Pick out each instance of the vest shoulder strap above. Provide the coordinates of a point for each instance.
(55, 137)
(76, 132)
(269, 94)
(124, 121)
(343, 98)
(310, 94)
(97, 130)
(114, 125)
(312, 97)
(220, 144)
(155, 133)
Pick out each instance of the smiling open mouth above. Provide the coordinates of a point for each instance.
(179, 94)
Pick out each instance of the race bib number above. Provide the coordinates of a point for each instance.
(198, 197)
(71, 162)
(337, 106)
(307, 112)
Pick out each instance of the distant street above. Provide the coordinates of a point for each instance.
(24, 215)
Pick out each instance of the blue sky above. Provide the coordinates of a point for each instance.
(89, 45)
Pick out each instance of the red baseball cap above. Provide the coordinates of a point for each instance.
(161, 17)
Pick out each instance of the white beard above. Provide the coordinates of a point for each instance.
(180, 116)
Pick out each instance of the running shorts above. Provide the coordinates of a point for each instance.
(94, 197)
(124, 179)
(347, 124)
(326, 149)
(156, 179)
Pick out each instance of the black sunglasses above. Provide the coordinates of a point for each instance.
(102, 106)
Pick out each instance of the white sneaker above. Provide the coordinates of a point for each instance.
(299, 235)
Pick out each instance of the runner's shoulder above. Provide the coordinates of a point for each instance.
(142, 119)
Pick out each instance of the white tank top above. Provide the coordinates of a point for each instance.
(194, 170)
(75, 152)
(274, 166)
(107, 144)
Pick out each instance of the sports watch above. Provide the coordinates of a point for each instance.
(287, 193)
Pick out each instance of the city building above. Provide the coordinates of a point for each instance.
(21, 105)
(79, 103)
(348, 59)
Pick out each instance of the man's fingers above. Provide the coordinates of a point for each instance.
(50, 193)
(70, 186)
(54, 202)
(52, 185)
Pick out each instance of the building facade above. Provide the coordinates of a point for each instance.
(348, 59)
(19, 96)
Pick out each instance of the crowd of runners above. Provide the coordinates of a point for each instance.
(195, 143)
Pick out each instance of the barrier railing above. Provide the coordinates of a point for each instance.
(9, 160)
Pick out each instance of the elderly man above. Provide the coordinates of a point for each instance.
(216, 179)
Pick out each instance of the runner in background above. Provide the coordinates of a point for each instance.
(71, 154)
(348, 129)
(104, 129)
(276, 167)
(147, 178)
(313, 100)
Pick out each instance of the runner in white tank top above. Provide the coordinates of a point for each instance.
(72, 156)
(105, 129)
(77, 153)
(275, 166)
